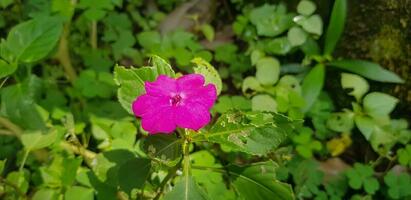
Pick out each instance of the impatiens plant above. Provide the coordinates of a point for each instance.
(180, 107)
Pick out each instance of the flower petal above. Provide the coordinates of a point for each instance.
(146, 104)
(204, 95)
(193, 116)
(163, 86)
(190, 81)
(161, 121)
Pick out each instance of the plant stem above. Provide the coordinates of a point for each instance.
(63, 54)
(93, 35)
(186, 160)
(64, 57)
(23, 162)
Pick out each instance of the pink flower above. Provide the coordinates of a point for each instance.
(170, 103)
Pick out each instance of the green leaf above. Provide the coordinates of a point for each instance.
(37, 140)
(268, 70)
(297, 36)
(18, 103)
(263, 102)
(149, 39)
(367, 69)
(341, 122)
(106, 165)
(358, 85)
(79, 193)
(251, 132)
(366, 125)
(362, 176)
(2, 164)
(251, 83)
(32, 40)
(379, 105)
(404, 155)
(165, 148)
(270, 20)
(140, 168)
(258, 182)
(212, 181)
(336, 26)
(131, 80)
(312, 85)
(6, 68)
(45, 194)
(186, 189)
(208, 31)
(398, 185)
(209, 72)
(278, 46)
(313, 24)
(306, 7)
(226, 103)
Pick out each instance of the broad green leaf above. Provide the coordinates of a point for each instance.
(211, 181)
(258, 182)
(6, 68)
(18, 103)
(306, 7)
(92, 84)
(341, 122)
(270, 20)
(79, 193)
(278, 46)
(366, 125)
(133, 174)
(186, 189)
(336, 26)
(379, 105)
(251, 83)
(263, 102)
(32, 40)
(313, 24)
(367, 69)
(106, 165)
(43, 194)
(268, 70)
(166, 148)
(226, 103)
(312, 85)
(149, 39)
(297, 36)
(131, 80)
(252, 132)
(209, 72)
(358, 85)
(36, 139)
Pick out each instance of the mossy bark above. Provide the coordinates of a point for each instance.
(380, 31)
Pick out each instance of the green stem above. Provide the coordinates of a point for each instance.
(26, 155)
(186, 159)
(93, 34)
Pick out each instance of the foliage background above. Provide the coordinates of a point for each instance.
(66, 133)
